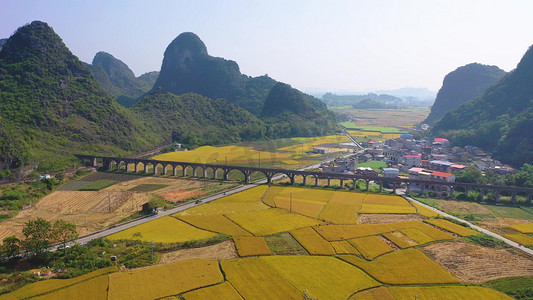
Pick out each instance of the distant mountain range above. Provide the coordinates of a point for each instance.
(500, 120)
(52, 105)
(463, 84)
(383, 99)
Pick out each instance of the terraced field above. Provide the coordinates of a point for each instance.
(285, 253)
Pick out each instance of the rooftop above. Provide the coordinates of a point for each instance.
(442, 174)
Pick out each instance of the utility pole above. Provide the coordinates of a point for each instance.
(290, 207)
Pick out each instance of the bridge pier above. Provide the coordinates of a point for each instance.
(155, 169)
(175, 171)
(367, 185)
(381, 186)
(194, 171)
(304, 180)
(145, 168)
(513, 197)
(137, 167)
(354, 184)
(342, 183)
(408, 190)
(329, 182)
(394, 188)
(291, 177)
(481, 195)
(128, 167)
(421, 189)
(497, 199)
(204, 172)
(316, 180)
(452, 191)
(226, 172)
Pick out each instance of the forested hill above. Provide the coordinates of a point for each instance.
(188, 68)
(118, 80)
(51, 105)
(500, 120)
(463, 84)
(2, 42)
(289, 112)
(196, 120)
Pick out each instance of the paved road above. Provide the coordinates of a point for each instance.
(116, 228)
(499, 237)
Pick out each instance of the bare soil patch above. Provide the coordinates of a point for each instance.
(224, 250)
(180, 195)
(386, 218)
(475, 264)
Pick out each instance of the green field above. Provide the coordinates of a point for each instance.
(352, 126)
(375, 165)
(98, 185)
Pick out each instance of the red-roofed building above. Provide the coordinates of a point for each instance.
(449, 177)
(456, 167)
(441, 141)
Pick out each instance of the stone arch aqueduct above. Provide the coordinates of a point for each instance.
(201, 170)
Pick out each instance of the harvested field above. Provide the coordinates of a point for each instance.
(475, 264)
(323, 277)
(89, 210)
(386, 218)
(403, 267)
(368, 208)
(400, 239)
(180, 195)
(251, 246)
(312, 241)
(220, 251)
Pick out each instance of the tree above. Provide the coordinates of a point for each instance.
(38, 234)
(470, 176)
(60, 176)
(10, 247)
(64, 232)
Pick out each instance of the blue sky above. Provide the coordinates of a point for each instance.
(316, 46)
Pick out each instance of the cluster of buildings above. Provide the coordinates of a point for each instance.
(418, 159)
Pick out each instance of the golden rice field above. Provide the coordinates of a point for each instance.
(446, 292)
(245, 154)
(346, 260)
(403, 267)
(251, 246)
(344, 247)
(424, 211)
(94, 288)
(323, 277)
(163, 281)
(220, 291)
(163, 230)
(520, 238)
(215, 223)
(452, 227)
(523, 228)
(371, 246)
(253, 278)
(271, 221)
(312, 241)
(46, 286)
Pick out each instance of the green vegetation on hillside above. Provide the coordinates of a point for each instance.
(461, 85)
(500, 120)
